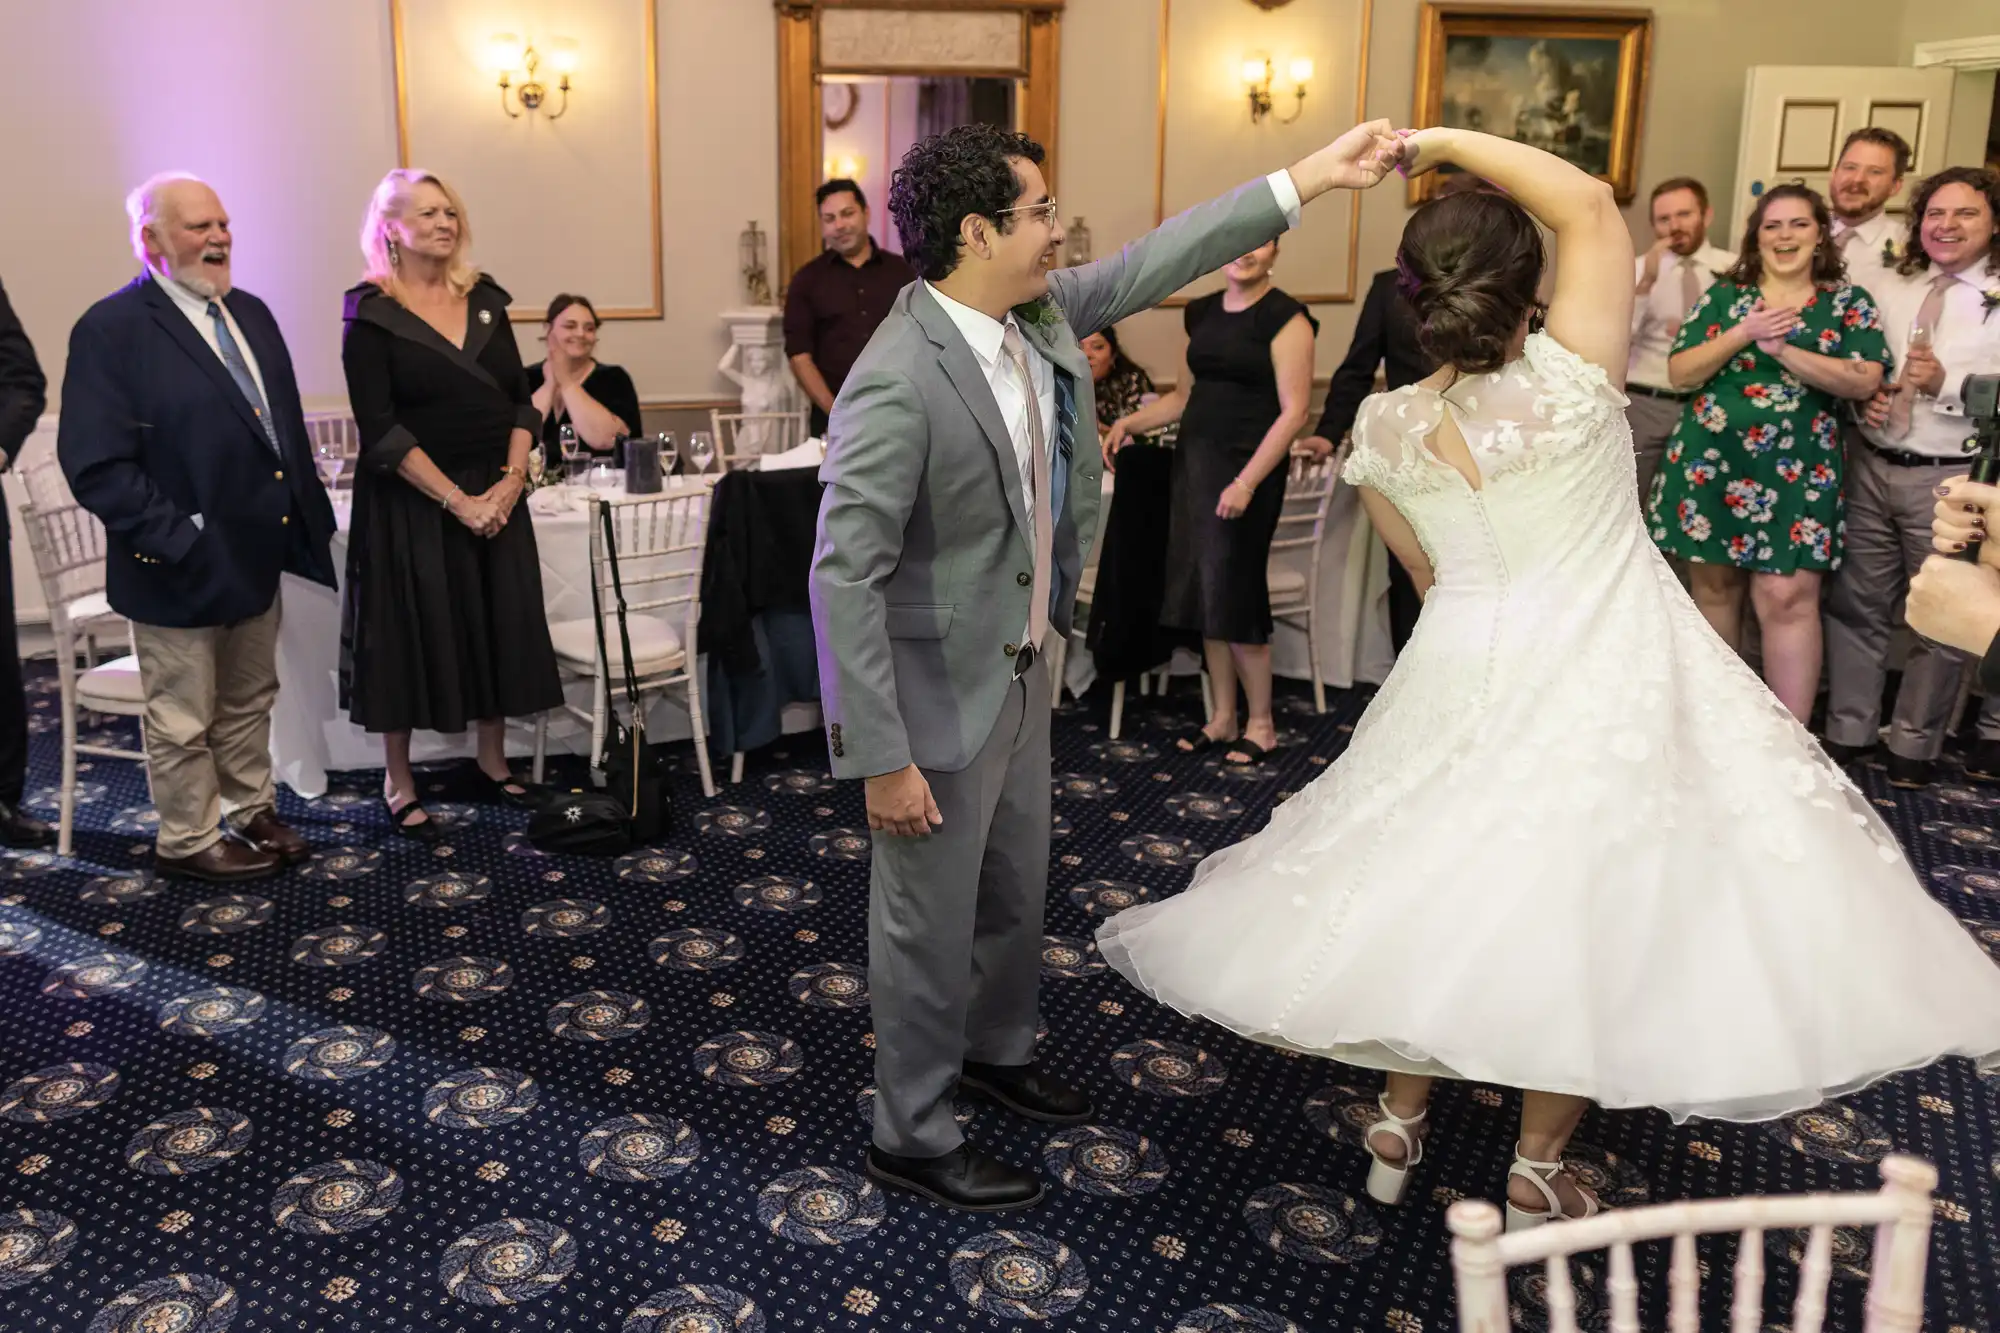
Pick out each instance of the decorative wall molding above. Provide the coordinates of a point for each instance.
(1968, 53)
(879, 41)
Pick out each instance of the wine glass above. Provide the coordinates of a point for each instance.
(1920, 339)
(330, 461)
(572, 452)
(701, 450)
(670, 452)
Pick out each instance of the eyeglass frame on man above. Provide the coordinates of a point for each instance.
(1047, 208)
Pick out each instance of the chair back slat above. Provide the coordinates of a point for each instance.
(1809, 1309)
(660, 544)
(1901, 1211)
(1561, 1295)
(1746, 1303)
(68, 545)
(742, 436)
(1623, 1286)
(1684, 1287)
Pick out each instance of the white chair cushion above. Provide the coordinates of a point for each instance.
(1284, 582)
(90, 606)
(112, 686)
(655, 645)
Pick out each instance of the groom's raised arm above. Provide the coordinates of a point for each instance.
(1207, 236)
(876, 446)
(1184, 247)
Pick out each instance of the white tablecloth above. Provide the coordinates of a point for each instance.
(311, 736)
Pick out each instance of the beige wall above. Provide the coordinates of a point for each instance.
(296, 126)
(300, 123)
(1694, 101)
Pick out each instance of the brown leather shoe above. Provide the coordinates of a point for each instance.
(224, 862)
(268, 833)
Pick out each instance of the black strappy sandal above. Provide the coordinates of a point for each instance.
(503, 791)
(1255, 753)
(400, 816)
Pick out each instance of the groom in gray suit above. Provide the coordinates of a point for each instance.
(952, 534)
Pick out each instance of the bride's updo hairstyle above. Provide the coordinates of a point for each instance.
(1470, 265)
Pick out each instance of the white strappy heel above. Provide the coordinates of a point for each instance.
(1387, 1180)
(1539, 1174)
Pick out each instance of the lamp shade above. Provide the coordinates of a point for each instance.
(503, 52)
(563, 55)
(1302, 70)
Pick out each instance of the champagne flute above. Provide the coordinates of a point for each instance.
(701, 450)
(572, 451)
(330, 461)
(1920, 340)
(670, 452)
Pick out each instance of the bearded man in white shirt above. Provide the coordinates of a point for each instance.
(1868, 175)
(1671, 278)
(1940, 325)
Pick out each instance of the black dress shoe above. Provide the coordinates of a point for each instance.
(1026, 1090)
(1908, 774)
(1843, 755)
(1982, 762)
(19, 830)
(963, 1178)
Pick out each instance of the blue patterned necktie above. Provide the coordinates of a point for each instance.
(239, 370)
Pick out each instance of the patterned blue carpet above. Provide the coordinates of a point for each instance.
(471, 1087)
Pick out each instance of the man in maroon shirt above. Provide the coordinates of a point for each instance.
(837, 299)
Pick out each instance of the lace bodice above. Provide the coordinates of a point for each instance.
(1548, 434)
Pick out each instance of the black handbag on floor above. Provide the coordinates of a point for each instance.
(634, 776)
(584, 823)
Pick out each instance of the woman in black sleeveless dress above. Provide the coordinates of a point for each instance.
(1241, 400)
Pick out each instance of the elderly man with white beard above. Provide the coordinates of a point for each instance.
(181, 430)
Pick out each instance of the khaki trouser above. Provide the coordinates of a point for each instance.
(208, 726)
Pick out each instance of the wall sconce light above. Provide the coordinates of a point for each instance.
(1257, 76)
(844, 166)
(510, 53)
(1077, 251)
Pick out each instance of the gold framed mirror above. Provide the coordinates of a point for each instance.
(988, 58)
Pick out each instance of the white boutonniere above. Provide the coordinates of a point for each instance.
(1989, 301)
(1892, 253)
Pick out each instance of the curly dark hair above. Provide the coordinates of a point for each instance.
(1983, 180)
(1469, 265)
(1828, 268)
(1121, 364)
(967, 169)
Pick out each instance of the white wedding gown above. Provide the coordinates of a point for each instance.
(1575, 844)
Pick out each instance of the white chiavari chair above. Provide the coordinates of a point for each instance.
(68, 546)
(742, 437)
(1293, 572)
(660, 540)
(1900, 1212)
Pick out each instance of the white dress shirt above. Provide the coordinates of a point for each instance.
(1863, 254)
(196, 309)
(1658, 315)
(1965, 340)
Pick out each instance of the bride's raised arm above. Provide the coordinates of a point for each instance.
(1592, 310)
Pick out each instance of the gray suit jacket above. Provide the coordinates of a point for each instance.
(922, 565)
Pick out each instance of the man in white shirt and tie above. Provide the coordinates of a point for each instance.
(1868, 175)
(1670, 279)
(1940, 325)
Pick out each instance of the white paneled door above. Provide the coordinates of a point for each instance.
(1795, 118)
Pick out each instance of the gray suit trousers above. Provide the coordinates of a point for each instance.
(955, 928)
(1889, 510)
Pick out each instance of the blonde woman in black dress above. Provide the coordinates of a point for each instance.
(442, 626)
(1241, 399)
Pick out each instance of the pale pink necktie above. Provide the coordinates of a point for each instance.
(1690, 285)
(1903, 403)
(1038, 479)
(1845, 239)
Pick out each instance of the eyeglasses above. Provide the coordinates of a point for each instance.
(1047, 208)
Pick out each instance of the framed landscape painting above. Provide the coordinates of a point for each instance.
(1569, 81)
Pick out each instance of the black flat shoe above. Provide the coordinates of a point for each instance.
(1252, 752)
(510, 790)
(1027, 1091)
(964, 1178)
(1843, 755)
(23, 830)
(1982, 762)
(425, 830)
(1908, 774)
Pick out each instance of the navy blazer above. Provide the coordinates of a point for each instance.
(154, 431)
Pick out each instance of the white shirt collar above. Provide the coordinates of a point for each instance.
(984, 333)
(1870, 231)
(182, 297)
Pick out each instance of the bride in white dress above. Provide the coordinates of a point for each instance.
(1575, 846)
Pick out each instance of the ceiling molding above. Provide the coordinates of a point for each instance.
(1968, 53)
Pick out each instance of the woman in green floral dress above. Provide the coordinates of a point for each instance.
(1749, 491)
